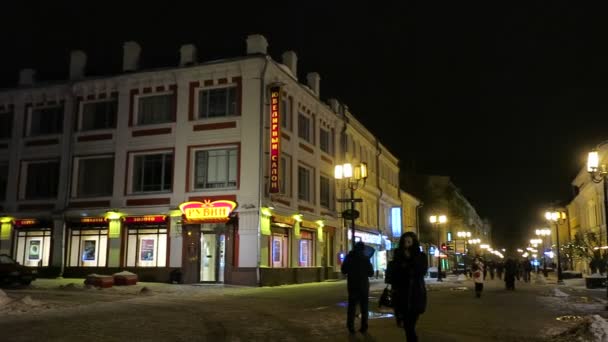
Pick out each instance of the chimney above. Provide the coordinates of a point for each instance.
(256, 43)
(27, 77)
(78, 62)
(130, 57)
(334, 105)
(290, 59)
(187, 55)
(313, 79)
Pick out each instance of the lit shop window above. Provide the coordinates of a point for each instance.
(88, 247)
(279, 250)
(33, 247)
(147, 246)
(306, 249)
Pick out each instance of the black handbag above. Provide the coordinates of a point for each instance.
(386, 299)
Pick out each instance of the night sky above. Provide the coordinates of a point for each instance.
(505, 99)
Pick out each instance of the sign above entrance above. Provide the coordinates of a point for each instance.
(207, 211)
(26, 222)
(145, 219)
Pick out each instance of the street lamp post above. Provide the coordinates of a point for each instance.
(436, 220)
(544, 233)
(352, 177)
(599, 174)
(555, 216)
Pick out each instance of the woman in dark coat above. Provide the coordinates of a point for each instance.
(510, 273)
(407, 279)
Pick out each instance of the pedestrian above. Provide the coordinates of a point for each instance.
(527, 270)
(358, 269)
(510, 272)
(478, 278)
(491, 269)
(390, 271)
(499, 269)
(407, 277)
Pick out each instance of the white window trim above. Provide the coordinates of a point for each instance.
(132, 155)
(30, 112)
(77, 159)
(81, 113)
(192, 171)
(23, 177)
(197, 93)
(136, 107)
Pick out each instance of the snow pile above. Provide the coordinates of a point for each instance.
(540, 280)
(124, 273)
(596, 275)
(592, 329)
(24, 304)
(560, 293)
(4, 299)
(599, 328)
(462, 277)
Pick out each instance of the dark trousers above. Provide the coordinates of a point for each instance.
(409, 324)
(478, 289)
(360, 297)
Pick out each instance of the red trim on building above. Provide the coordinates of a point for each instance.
(286, 136)
(132, 94)
(89, 204)
(219, 125)
(148, 201)
(325, 159)
(303, 208)
(147, 90)
(95, 137)
(222, 81)
(213, 198)
(155, 131)
(191, 97)
(37, 206)
(306, 148)
(43, 142)
(160, 88)
(208, 83)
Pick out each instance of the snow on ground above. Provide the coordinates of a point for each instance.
(592, 328)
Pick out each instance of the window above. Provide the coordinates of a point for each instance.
(286, 117)
(3, 179)
(42, 179)
(6, 125)
(33, 247)
(326, 141)
(152, 172)
(88, 246)
(155, 109)
(146, 246)
(304, 184)
(95, 176)
(304, 127)
(99, 115)
(306, 257)
(326, 192)
(285, 174)
(216, 168)
(45, 121)
(217, 102)
(280, 244)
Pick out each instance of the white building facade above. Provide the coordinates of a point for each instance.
(208, 172)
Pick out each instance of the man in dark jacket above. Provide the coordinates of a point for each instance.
(358, 269)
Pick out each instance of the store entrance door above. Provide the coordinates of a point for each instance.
(191, 254)
(209, 248)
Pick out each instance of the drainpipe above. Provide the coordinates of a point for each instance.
(418, 218)
(261, 159)
(378, 152)
(66, 197)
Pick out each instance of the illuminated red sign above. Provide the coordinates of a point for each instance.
(207, 211)
(26, 222)
(93, 220)
(274, 139)
(146, 219)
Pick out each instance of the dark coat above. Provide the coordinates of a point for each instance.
(406, 275)
(358, 269)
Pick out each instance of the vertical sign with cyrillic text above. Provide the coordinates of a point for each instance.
(275, 97)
